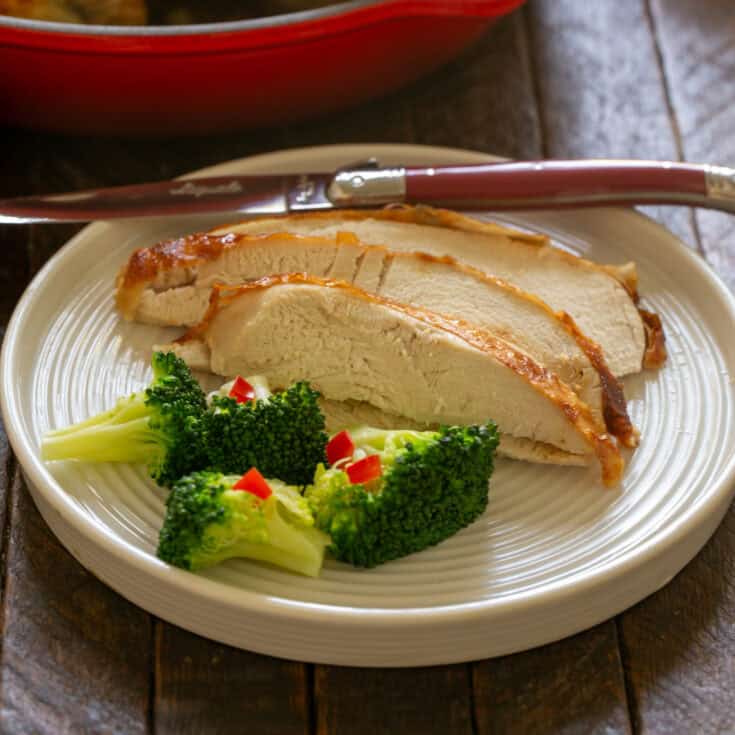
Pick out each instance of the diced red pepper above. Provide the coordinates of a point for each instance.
(364, 470)
(253, 482)
(339, 447)
(242, 391)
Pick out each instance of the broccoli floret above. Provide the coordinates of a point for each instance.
(433, 483)
(160, 427)
(208, 522)
(282, 435)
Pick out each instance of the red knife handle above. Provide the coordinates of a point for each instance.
(552, 184)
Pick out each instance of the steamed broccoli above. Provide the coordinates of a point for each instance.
(396, 492)
(282, 434)
(160, 427)
(211, 517)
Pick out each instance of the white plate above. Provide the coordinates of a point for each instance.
(554, 554)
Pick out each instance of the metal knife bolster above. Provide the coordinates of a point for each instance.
(365, 187)
(720, 182)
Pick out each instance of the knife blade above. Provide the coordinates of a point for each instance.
(264, 195)
(504, 185)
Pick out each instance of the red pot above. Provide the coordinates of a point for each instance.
(224, 76)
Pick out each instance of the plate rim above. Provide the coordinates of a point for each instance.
(185, 582)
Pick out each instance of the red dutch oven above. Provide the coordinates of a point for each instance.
(226, 76)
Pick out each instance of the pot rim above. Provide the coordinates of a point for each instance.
(487, 8)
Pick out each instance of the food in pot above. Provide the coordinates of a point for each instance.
(154, 12)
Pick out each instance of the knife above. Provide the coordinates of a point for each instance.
(505, 185)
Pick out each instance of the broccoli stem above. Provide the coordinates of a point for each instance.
(285, 544)
(299, 550)
(121, 434)
(380, 440)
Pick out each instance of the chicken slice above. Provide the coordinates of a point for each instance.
(403, 360)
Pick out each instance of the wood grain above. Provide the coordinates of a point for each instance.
(15, 179)
(14, 271)
(384, 120)
(626, 109)
(601, 88)
(697, 42)
(75, 656)
(405, 701)
(574, 686)
(484, 100)
(679, 646)
(205, 688)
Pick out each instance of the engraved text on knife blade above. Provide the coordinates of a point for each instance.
(203, 190)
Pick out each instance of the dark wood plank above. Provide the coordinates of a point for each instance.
(679, 644)
(14, 181)
(14, 270)
(571, 687)
(601, 88)
(7, 471)
(676, 646)
(405, 701)
(43, 163)
(697, 41)
(384, 120)
(7, 468)
(75, 656)
(204, 688)
(483, 100)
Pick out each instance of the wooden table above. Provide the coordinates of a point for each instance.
(561, 78)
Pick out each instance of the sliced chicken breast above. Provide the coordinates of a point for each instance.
(177, 285)
(403, 360)
(600, 299)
